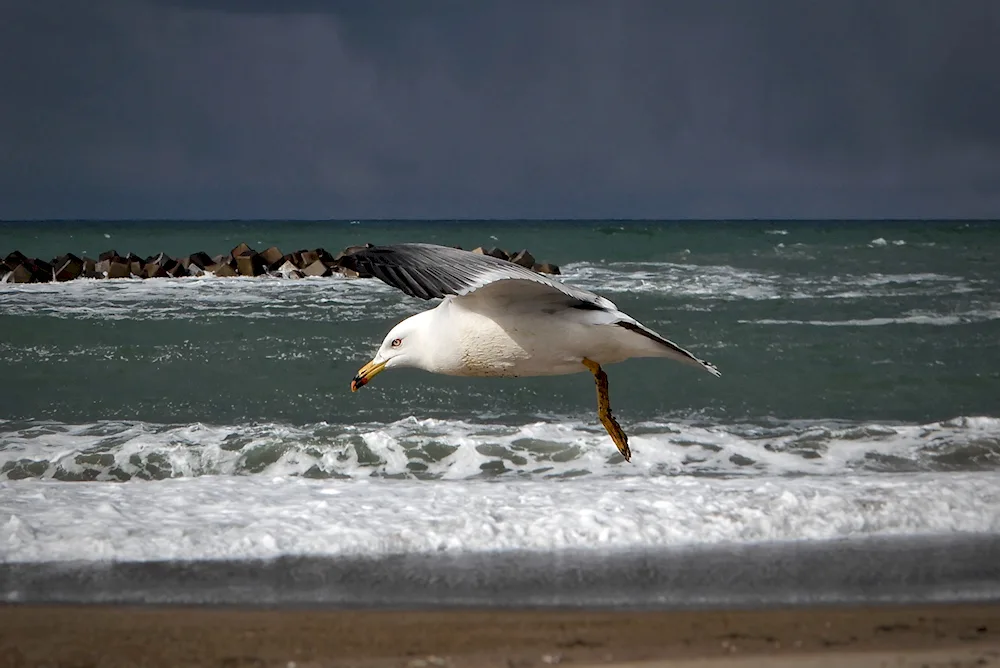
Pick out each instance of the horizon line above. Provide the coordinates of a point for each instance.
(783, 219)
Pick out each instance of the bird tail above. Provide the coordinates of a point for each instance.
(670, 349)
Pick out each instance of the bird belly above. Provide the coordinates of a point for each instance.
(489, 351)
(516, 346)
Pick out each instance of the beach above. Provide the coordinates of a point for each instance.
(913, 635)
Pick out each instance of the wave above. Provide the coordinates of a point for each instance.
(913, 318)
(334, 299)
(266, 516)
(727, 283)
(324, 299)
(432, 449)
(880, 242)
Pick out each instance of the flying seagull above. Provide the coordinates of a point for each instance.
(500, 319)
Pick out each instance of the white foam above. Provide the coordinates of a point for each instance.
(463, 450)
(336, 298)
(264, 516)
(325, 299)
(912, 318)
(723, 282)
(681, 280)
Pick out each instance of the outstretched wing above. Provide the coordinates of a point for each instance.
(429, 271)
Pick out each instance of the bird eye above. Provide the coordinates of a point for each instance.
(396, 342)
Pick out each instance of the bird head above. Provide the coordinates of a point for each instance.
(400, 348)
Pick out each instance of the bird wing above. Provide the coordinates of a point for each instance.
(429, 271)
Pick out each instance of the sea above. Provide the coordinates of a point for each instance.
(195, 440)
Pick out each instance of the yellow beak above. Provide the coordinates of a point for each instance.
(366, 373)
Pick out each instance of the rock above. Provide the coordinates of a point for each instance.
(289, 270)
(168, 266)
(492, 252)
(175, 269)
(20, 274)
(295, 258)
(41, 271)
(13, 259)
(316, 268)
(119, 269)
(200, 260)
(286, 268)
(241, 261)
(222, 270)
(154, 268)
(344, 263)
(271, 257)
(58, 260)
(350, 273)
(523, 258)
(250, 264)
(70, 268)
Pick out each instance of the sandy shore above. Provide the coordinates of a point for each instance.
(929, 635)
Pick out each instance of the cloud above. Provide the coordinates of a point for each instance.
(493, 109)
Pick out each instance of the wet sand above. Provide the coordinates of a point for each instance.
(912, 635)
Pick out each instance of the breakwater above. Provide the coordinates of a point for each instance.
(241, 260)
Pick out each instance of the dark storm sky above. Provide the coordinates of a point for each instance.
(554, 108)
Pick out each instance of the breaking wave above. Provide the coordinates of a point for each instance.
(728, 283)
(464, 450)
(266, 517)
(337, 298)
(912, 318)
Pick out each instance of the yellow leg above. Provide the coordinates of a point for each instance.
(604, 409)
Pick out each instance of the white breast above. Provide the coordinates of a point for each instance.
(487, 349)
(489, 342)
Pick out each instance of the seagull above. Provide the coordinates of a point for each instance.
(499, 319)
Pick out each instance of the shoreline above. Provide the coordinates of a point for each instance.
(954, 568)
(113, 635)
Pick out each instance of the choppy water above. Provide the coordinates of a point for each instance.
(212, 418)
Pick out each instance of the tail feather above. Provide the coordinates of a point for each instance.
(675, 351)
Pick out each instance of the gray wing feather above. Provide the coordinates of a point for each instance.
(430, 271)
